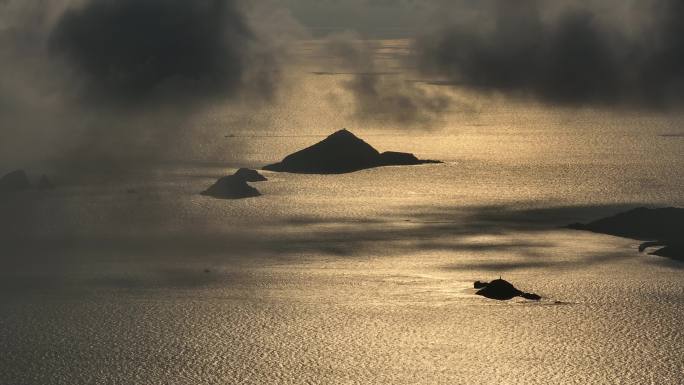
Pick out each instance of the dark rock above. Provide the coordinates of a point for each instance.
(392, 158)
(398, 158)
(15, 181)
(674, 250)
(480, 285)
(339, 153)
(249, 175)
(45, 184)
(661, 227)
(531, 296)
(502, 290)
(231, 187)
(646, 245)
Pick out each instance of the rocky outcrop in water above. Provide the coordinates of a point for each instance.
(250, 175)
(235, 186)
(657, 227)
(502, 290)
(231, 187)
(340, 153)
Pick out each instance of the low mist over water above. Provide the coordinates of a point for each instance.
(117, 269)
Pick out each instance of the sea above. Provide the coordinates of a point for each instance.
(359, 278)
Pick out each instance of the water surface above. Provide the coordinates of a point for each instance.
(363, 278)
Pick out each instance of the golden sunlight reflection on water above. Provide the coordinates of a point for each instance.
(361, 278)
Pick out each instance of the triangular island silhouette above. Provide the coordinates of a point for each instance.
(340, 153)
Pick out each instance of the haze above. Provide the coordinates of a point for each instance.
(362, 191)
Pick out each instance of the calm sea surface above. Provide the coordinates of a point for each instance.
(363, 278)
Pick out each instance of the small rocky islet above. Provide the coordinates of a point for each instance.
(502, 290)
(249, 175)
(235, 186)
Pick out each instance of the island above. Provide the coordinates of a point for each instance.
(340, 153)
(660, 227)
(235, 186)
(502, 290)
(250, 175)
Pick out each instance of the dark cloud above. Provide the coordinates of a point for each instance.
(103, 84)
(576, 56)
(139, 50)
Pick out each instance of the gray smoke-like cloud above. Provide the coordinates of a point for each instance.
(387, 98)
(378, 93)
(570, 53)
(142, 51)
(104, 84)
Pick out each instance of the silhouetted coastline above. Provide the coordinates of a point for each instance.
(657, 227)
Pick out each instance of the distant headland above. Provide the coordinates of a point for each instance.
(659, 227)
(339, 153)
